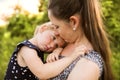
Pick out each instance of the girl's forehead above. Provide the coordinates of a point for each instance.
(54, 32)
(51, 32)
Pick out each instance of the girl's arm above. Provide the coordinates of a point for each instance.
(48, 70)
(54, 56)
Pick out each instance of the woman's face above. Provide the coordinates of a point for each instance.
(64, 28)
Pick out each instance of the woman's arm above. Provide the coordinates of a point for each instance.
(48, 70)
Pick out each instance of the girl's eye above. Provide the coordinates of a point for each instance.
(56, 45)
(54, 38)
(56, 26)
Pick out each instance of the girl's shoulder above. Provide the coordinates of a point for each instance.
(27, 43)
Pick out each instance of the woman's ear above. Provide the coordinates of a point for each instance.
(74, 21)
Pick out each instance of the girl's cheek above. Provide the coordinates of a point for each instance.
(48, 40)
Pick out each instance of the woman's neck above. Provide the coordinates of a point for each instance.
(83, 41)
(68, 50)
(79, 42)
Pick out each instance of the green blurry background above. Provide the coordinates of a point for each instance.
(21, 26)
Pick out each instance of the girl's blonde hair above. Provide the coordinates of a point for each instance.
(43, 27)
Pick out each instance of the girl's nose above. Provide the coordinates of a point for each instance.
(52, 45)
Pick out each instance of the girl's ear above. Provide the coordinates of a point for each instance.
(40, 29)
(74, 21)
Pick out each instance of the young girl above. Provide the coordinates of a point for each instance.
(26, 62)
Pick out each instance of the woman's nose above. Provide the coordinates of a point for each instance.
(56, 33)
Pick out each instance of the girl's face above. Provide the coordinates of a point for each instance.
(64, 28)
(48, 41)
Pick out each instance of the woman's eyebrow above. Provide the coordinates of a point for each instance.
(52, 24)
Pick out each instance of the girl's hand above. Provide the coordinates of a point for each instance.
(54, 55)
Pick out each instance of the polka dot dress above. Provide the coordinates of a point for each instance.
(16, 72)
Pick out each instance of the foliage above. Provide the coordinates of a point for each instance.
(21, 27)
(111, 11)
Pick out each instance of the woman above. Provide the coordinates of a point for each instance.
(79, 22)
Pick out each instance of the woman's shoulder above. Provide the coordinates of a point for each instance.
(89, 67)
(96, 58)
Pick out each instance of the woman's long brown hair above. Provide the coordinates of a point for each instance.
(92, 25)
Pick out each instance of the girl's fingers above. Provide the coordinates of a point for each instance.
(52, 57)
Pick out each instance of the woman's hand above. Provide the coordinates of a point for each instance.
(54, 55)
(80, 50)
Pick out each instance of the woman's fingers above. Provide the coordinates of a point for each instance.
(81, 49)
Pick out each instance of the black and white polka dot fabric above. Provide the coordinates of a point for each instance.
(16, 72)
